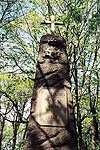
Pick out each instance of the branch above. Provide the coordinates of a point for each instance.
(50, 11)
(14, 104)
(4, 12)
(85, 116)
(21, 68)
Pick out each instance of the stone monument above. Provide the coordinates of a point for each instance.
(52, 122)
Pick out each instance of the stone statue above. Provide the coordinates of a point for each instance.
(52, 122)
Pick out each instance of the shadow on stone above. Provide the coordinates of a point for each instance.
(52, 122)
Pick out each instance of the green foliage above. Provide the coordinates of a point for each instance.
(20, 32)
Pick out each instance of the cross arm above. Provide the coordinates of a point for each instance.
(59, 23)
(49, 22)
(46, 22)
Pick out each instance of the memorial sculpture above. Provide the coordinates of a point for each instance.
(52, 122)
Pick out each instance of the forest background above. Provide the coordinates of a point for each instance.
(20, 33)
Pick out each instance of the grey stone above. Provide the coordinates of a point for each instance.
(52, 122)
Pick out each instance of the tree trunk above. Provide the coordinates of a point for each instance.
(93, 144)
(2, 124)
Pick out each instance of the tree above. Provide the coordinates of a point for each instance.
(20, 33)
(13, 78)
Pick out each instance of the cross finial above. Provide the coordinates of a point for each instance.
(53, 23)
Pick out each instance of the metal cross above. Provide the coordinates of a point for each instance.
(53, 23)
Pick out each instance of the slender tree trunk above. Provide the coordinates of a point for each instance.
(77, 101)
(94, 122)
(93, 145)
(15, 130)
(0, 129)
(2, 123)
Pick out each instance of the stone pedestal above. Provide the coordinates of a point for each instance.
(52, 123)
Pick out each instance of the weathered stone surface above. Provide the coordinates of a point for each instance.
(52, 123)
(52, 110)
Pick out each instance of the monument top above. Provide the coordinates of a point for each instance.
(51, 38)
(53, 23)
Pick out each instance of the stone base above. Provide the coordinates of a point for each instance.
(49, 138)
